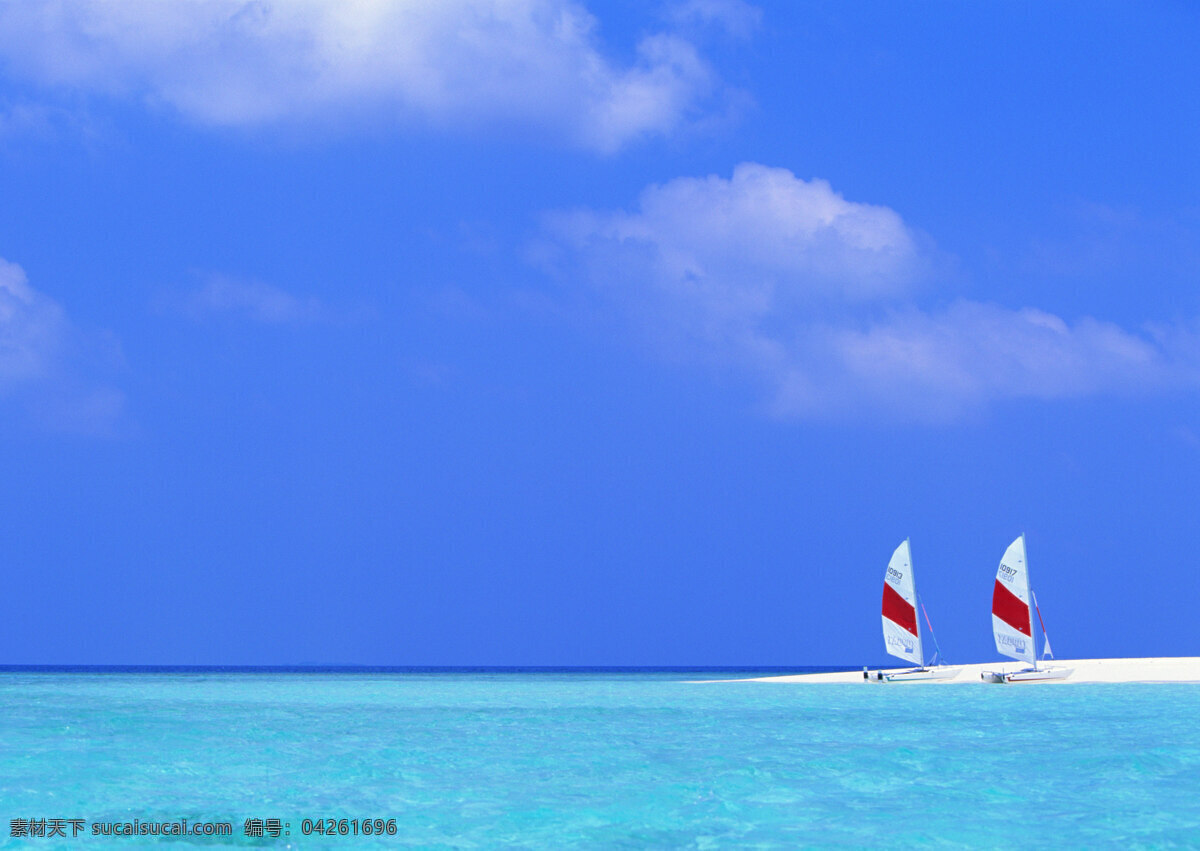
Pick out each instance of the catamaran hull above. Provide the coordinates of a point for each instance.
(915, 676)
(1040, 675)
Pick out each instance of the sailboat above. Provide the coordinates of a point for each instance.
(1013, 605)
(901, 628)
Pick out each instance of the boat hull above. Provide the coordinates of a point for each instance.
(917, 675)
(1027, 676)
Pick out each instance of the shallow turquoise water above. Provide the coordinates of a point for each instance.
(604, 761)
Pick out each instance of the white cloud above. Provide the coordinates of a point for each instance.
(45, 360)
(224, 296)
(816, 297)
(239, 62)
(739, 248)
(721, 262)
(32, 328)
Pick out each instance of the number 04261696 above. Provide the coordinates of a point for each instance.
(348, 827)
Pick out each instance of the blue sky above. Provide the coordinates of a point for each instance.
(542, 332)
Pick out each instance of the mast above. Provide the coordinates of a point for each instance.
(912, 571)
(1029, 586)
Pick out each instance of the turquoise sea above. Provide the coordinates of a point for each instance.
(598, 760)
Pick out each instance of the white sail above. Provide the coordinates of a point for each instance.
(1012, 617)
(901, 631)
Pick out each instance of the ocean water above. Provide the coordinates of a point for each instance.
(599, 760)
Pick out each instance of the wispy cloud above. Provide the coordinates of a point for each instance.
(1187, 436)
(47, 365)
(736, 17)
(1090, 241)
(533, 63)
(22, 119)
(29, 120)
(941, 364)
(221, 295)
(32, 328)
(819, 298)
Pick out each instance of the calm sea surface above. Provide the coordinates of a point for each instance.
(599, 760)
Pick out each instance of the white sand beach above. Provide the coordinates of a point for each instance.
(1163, 669)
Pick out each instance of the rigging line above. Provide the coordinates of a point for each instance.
(1045, 634)
(933, 635)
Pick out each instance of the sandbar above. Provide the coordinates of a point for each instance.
(1160, 669)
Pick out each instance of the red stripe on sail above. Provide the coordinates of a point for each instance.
(898, 610)
(1008, 607)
